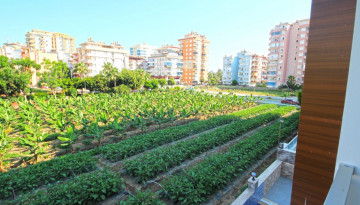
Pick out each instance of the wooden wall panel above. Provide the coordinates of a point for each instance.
(328, 57)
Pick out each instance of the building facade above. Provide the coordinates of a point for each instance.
(96, 54)
(51, 42)
(166, 63)
(142, 50)
(194, 49)
(246, 68)
(13, 50)
(287, 52)
(227, 70)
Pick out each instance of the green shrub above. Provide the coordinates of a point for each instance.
(148, 84)
(162, 82)
(299, 95)
(122, 89)
(171, 81)
(143, 198)
(84, 189)
(71, 92)
(234, 82)
(41, 94)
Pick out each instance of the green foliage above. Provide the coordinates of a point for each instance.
(214, 78)
(122, 89)
(56, 72)
(148, 85)
(195, 184)
(81, 69)
(140, 143)
(155, 84)
(171, 81)
(234, 82)
(70, 137)
(261, 85)
(72, 92)
(5, 145)
(291, 82)
(23, 180)
(84, 189)
(161, 160)
(143, 198)
(299, 95)
(12, 81)
(162, 82)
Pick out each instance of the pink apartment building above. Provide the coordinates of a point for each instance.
(287, 52)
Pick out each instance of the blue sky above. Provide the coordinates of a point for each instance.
(230, 25)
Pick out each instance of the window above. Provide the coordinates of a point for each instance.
(303, 35)
(303, 29)
(302, 42)
(280, 67)
(301, 54)
(299, 66)
(283, 32)
(282, 38)
(297, 79)
(299, 72)
(278, 78)
(279, 72)
(282, 44)
(280, 61)
(301, 48)
(300, 60)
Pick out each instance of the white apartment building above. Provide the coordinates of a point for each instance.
(12, 50)
(246, 68)
(166, 63)
(142, 50)
(50, 42)
(227, 70)
(96, 54)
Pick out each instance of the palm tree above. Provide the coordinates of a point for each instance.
(110, 72)
(81, 69)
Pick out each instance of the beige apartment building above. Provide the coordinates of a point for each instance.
(51, 42)
(194, 49)
(287, 52)
(96, 54)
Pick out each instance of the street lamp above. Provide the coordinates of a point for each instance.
(281, 121)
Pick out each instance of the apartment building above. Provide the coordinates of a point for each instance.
(96, 54)
(13, 50)
(194, 49)
(166, 63)
(227, 70)
(287, 52)
(246, 68)
(51, 42)
(142, 50)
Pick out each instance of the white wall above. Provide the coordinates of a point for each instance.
(349, 144)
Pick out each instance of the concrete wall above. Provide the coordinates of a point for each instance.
(349, 144)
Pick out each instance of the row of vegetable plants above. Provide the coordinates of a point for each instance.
(22, 180)
(141, 143)
(161, 160)
(196, 184)
(32, 122)
(87, 188)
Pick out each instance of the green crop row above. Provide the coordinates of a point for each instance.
(87, 188)
(140, 143)
(161, 160)
(195, 184)
(22, 180)
(143, 198)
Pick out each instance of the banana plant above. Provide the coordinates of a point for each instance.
(118, 127)
(34, 139)
(6, 144)
(70, 137)
(96, 132)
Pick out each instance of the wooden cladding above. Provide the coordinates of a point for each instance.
(328, 58)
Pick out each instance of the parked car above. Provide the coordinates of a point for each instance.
(289, 101)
